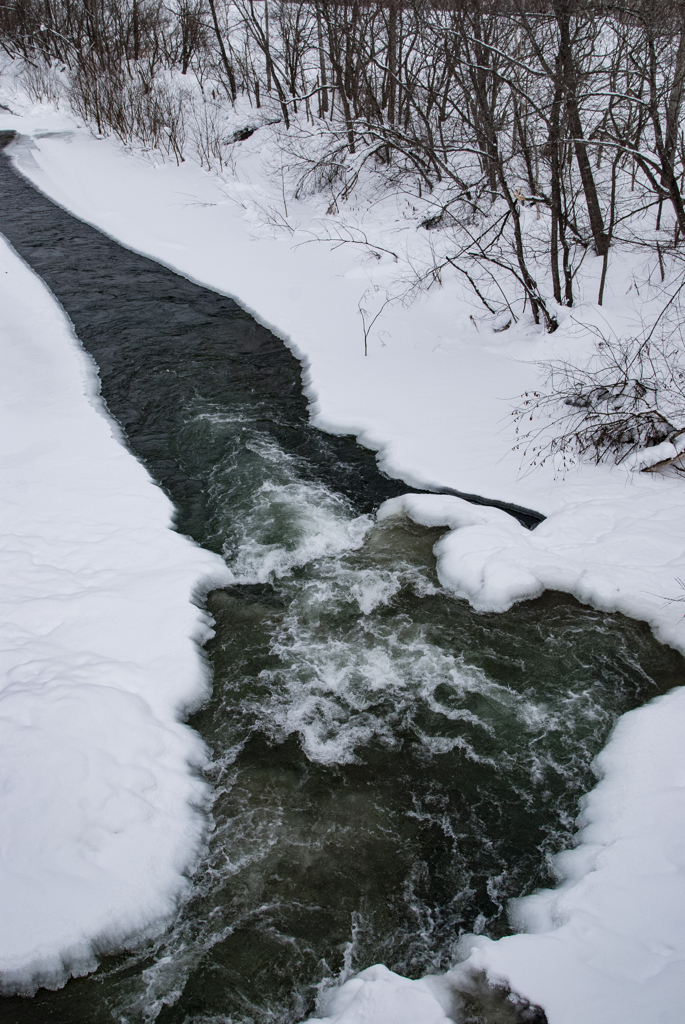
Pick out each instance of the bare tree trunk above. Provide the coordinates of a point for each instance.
(222, 49)
(267, 50)
(563, 10)
(136, 30)
(537, 302)
(323, 96)
(392, 61)
(557, 233)
(666, 144)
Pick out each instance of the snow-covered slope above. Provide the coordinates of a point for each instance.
(100, 808)
(433, 397)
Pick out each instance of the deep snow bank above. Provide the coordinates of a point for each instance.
(99, 806)
(607, 947)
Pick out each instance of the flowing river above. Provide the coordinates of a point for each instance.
(389, 767)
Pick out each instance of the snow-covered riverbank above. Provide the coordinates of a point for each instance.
(433, 397)
(100, 808)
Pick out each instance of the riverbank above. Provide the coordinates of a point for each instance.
(433, 397)
(99, 661)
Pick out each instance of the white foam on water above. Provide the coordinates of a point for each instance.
(271, 519)
(339, 688)
(306, 518)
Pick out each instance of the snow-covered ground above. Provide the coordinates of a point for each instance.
(433, 397)
(100, 808)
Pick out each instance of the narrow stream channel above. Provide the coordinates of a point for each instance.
(390, 768)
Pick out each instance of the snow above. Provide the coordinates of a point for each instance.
(378, 994)
(433, 397)
(100, 806)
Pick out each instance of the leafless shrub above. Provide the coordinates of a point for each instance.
(125, 104)
(630, 395)
(42, 82)
(325, 175)
(207, 131)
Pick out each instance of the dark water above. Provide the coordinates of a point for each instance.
(390, 768)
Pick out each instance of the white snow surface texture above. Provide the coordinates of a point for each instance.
(99, 808)
(608, 945)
